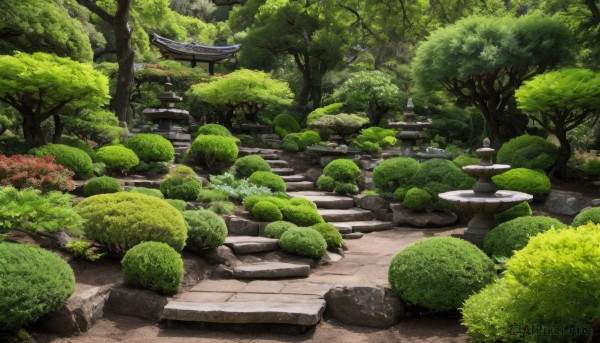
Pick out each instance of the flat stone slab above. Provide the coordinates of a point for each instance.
(251, 244)
(299, 185)
(278, 163)
(365, 226)
(283, 171)
(342, 228)
(346, 215)
(293, 178)
(306, 312)
(271, 270)
(327, 201)
(353, 235)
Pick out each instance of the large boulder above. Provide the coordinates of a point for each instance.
(566, 203)
(365, 305)
(139, 303)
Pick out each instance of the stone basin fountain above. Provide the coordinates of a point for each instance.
(411, 130)
(485, 199)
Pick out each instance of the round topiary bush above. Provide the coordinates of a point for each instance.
(524, 180)
(342, 170)
(266, 211)
(71, 158)
(276, 229)
(79, 144)
(252, 200)
(556, 264)
(117, 158)
(326, 183)
(303, 242)
(33, 282)
(121, 220)
(346, 188)
(587, 215)
(267, 179)
(151, 147)
(465, 160)
(400, 193)
(514, 234)
(309, 137)
(183, 171)
(215, 152)
(302, 215)
(591, 168)
(179, 205)
(147, 191)
(285, 124)
(330, 233)
(302, 201)
(245, 166)
(206, 230)
(177, 187)
(520, 210)
(394, 172)
(153, 265)
(102, 185)
(531, 152)
(214, 129)
(417, 199)
(291, 143)
(440, 273)
(437, 176)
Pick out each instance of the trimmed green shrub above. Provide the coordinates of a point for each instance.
(102, 185)
(514, 234)
(266, 211)
(374, 138)
(342, 170)
(346, 188)
(206, 230)
(291, 143)
(520, 210)
(308, 138)
(246, 140)
(326, 183)
(334, 108)
(153, 265)
(210, 195)
(267, 179)
(238, 189)
(71, 158)
(147, 191)
(150, 147)
(214, 129)
(531, 152)
(79, 144)
(400, 193)
(440, 273)
(524, 180)
(330, 233)
(99, 168)
(178, 204)
(117, 158)
(437, 176)
(252, 200)
(215, 152)
(151, 168)
(222, 207)
(591, 168)
(587, 215)
(177, 187)
(245, 166)
(33, 282)
(302, 201)
(302, 215)
(417, 199)
(394, 172)
(557, 264)
(303, 242)
(183, 171)
(276, 229)
(121, 220)
(465, 160)
(285, 124)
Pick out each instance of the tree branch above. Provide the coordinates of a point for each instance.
(92, 6)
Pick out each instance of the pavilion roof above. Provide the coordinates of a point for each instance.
(192, 51)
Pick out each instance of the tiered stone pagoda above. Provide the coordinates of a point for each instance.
(193, 52)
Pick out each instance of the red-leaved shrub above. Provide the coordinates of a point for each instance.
(23, 171)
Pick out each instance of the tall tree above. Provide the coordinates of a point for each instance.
(40, 86)
(483, 60)
(559, 101)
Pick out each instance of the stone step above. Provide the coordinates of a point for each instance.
(270, 156)
(251, 244)
(346, 215)
(293, 178)
(353, 235)
(364, 226)
(342, 228)
(299, 186)
(305, 312)
(283, 171)
(270, 270)
(278, 163)
(326, 201)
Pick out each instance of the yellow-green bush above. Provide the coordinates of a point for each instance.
(153, 265)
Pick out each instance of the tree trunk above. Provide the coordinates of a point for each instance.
(58, 129)
(32, 131)
(564, 154)
(125, 57)
(492, 129)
